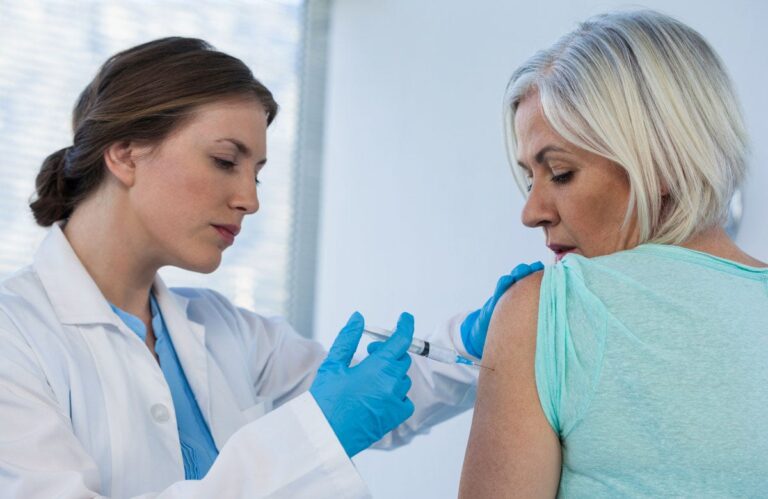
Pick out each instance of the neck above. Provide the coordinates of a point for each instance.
(105, 240)
(716, 242)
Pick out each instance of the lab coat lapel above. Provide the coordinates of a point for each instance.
(188, 339)
(216, 400)
(75, 297)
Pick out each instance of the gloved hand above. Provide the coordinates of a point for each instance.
(365, 402)
(475, 326)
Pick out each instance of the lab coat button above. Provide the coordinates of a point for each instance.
(160, 413)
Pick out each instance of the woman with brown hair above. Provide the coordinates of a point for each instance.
(111, 384)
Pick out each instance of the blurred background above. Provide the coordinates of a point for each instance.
(387, 188)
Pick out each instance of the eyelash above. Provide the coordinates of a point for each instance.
(563, 178)
(227, 165)
(224, 164)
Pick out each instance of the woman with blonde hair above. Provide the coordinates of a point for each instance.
(635, 365)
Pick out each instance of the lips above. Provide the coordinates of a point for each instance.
(560, 250)
(227, 232)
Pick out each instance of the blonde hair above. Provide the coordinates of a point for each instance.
(648, 93)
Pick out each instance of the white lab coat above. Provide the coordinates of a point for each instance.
(85, 410)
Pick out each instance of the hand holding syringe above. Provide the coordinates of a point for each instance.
(425, 348)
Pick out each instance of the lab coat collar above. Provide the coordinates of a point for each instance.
(77, 300)
(73, 293)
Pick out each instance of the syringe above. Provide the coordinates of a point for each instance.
(425, 348)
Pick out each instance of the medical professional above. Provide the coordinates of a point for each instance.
(113, 385)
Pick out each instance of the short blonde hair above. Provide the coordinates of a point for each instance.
(648, 93)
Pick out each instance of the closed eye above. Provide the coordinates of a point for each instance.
(562, 178)
(224, 164)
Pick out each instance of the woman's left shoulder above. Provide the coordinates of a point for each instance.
(514, 320)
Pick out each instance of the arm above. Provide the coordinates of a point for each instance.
(441, 391)
(512, 450)
(289, 452)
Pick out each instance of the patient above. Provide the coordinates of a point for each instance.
(637, 365)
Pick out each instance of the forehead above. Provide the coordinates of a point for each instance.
(532, 130)
(243, 119)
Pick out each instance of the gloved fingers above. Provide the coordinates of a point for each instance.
(469, 332)
(502, 285)
(468, 325)
(404, 363)
(401, 339)
(524, 270)
(346, 342)
(375, 346)
(403, 387)
(394, 368)
(407, 408)
(519, 272)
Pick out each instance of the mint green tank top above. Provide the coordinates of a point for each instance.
(652, 368)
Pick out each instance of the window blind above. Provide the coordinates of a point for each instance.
(50, 50)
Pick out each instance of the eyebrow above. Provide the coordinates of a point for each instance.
(539, 158)
(242, 148)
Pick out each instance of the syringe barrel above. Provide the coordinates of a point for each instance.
(418, 346)
(441, 354)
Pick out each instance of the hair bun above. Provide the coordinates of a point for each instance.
(51, 203)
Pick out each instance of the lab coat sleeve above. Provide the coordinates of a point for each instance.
(290, 452)
(284, 365)
(440, 391)
(39, 454)
(256, 462)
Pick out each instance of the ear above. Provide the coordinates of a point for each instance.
(119, 159)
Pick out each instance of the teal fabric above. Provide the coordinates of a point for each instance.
(652, 367)
(197, 446)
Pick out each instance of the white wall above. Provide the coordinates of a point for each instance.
(419, 208)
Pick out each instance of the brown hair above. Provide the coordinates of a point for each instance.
(140, 94)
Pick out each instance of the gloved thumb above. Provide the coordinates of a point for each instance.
(401, 339)
(346, 342)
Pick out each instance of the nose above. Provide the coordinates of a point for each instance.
(245, 198)
(539, 209)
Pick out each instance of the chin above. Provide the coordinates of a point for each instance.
(202, 265)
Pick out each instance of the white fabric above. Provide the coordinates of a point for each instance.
(85, 410)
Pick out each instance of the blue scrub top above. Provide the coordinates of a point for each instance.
(197, 446)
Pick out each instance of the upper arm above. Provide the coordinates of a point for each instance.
(512, 449)
(282, 363)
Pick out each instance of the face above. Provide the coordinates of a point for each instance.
(579, 198)
(193, 190)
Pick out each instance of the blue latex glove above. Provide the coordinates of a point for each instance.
(365, 402)
(475, 326)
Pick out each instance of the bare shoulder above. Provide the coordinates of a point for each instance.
(512, 450)
(521, 296)
(512, 331)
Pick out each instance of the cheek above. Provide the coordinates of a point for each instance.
(607, 213)
(173, 201)
(594, 213)
(184, 188)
